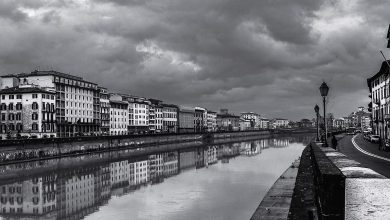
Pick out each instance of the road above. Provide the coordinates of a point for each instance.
(379, 161)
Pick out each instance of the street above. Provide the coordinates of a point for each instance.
(379, 165)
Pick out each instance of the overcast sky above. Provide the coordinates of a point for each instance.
(266, 56)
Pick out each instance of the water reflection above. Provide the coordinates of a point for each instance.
(77, 192)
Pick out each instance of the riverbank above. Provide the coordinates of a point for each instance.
(42, 149)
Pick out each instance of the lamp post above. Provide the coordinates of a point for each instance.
(317, 110)
(324, 89)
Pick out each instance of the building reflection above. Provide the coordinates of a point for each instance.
(77, 192)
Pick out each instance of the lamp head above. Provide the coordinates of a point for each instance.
(324, 89)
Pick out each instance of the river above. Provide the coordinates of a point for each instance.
(225, 181)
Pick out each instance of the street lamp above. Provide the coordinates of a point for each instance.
(324, 89)
(317, 110)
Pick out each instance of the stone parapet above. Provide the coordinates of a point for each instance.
(346, 189)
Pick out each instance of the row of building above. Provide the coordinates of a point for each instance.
(53, 104)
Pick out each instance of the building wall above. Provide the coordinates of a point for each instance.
(119, 119)
(104, 111)
(138, 116)
(170, 119)
(211, 121)
(22, 121)
(186, 120)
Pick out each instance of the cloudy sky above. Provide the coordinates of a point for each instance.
(266, 56)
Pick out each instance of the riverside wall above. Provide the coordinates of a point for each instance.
(12, 151)
(328, 185)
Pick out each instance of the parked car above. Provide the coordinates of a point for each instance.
(374, 138)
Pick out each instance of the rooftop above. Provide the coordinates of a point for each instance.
(19, 90)
(46, 73)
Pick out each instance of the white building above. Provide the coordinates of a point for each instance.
(139, 114)
(170, 118)
(211, 121)
(254, 118)
(245, 124)
(264, 123)
(280, 123)
(77, 100)
(27, 110)
(119, 117)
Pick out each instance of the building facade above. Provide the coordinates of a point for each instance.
(104, 111)
(227, 121)
(27, 111)
(77, 100)
(186, 119)
(211, 121)
(119, 117)
(139, 114)
(254, 119)
(170, 118)
(379, 106)
(200, 119)
(155, 116)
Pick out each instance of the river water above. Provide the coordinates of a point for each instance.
(225, 181)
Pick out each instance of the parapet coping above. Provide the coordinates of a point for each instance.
(349, 168)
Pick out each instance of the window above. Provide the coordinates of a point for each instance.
(11, 106)
(19, 127)
(3, 117)
(19, 106)
(18, 96)
(34, 96)
(35, 105)
(18, 116)
(34, 126)
(35, 116)
(2, 96)
(11, 117)
(11, 96)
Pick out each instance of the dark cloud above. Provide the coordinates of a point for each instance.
(264, 56)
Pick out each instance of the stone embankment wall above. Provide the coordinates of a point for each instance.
(36, 149)
(345, 189)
